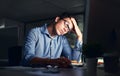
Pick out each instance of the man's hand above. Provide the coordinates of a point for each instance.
(63, 62)
(76, 29)
(42, 62)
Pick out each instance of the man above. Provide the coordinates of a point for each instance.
(47, 45)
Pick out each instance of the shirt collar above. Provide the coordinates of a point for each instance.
(45, 31)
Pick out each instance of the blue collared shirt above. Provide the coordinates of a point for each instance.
(39, 43)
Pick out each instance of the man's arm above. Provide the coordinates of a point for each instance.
(76, 30)
(78, 44)
(43, 62)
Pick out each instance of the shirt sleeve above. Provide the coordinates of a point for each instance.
(72, 53)
(77, 51)
(29, 46)
(67, 50)
(78, 46)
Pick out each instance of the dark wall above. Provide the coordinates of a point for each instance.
(8, 38)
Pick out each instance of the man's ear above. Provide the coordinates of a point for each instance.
(57, 19)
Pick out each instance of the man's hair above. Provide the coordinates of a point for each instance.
(65, 15)
(62, 16)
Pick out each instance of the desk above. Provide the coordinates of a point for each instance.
(28, 71)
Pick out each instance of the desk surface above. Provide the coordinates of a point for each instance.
(28, 71)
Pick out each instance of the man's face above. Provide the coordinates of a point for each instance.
(63, 26)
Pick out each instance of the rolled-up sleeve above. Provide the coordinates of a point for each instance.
(77, 51)
(78, 45)
(72, 53)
